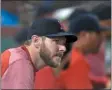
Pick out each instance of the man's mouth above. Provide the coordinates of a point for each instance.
(58, 59)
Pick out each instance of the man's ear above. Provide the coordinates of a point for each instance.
(36, 40)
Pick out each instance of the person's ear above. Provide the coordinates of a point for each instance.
(36, 40)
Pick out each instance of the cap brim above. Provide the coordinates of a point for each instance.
(69, 36)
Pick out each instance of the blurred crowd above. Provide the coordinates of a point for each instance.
(67, 75)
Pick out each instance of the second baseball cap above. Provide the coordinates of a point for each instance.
(86, 22)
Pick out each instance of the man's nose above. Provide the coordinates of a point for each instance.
(62, 48)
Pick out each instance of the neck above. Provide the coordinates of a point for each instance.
(81, 47)
(35, 57)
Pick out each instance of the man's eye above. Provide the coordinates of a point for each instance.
(57, 41)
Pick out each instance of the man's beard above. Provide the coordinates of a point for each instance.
(45, 54)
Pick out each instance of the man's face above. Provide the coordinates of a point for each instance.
(52, 49)
(94, 41)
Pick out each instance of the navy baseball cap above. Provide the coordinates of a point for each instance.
(50, 28)
(86, 22)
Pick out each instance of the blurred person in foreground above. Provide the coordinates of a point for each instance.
(89, 33)
(96, 61)
(44, 46)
